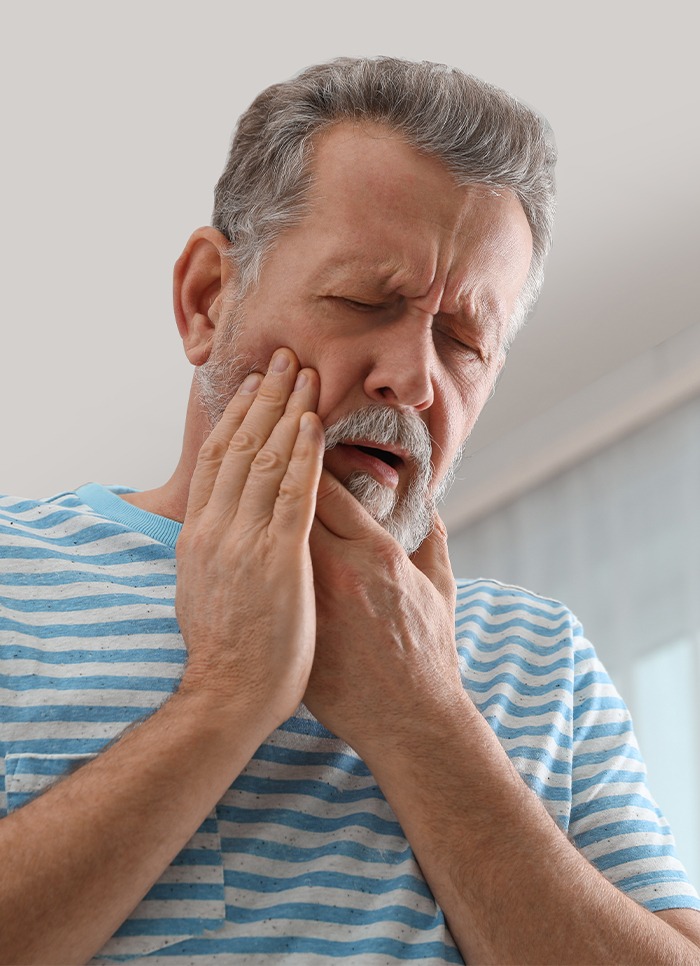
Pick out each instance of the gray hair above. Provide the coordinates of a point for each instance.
(481, 133)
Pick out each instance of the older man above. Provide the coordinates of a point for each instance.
(333, 772)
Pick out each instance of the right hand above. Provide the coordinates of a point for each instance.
(245, 595)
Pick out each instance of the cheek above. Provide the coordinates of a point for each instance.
(472, 407)
(341, 384)
(262, 339)
(459, 412)
(457, 431)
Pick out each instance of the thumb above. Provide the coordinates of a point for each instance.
(432, 559)
(340, 512)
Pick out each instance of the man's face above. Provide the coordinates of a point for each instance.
(397, 288)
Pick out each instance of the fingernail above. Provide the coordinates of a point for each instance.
(302, 379)
(280, 362)
(251, 382)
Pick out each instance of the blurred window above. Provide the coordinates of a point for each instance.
(664, 703)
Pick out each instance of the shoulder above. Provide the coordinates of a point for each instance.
(21, 515)
(499, 593)
(60, 526)
(500, 608)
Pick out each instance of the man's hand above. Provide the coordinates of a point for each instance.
(245, 600)
(385, 647)
(79, 858)
(385, 678)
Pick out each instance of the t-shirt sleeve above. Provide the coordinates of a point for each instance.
(615, 821)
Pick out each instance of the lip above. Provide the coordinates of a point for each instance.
(345, 458)
(393, 448)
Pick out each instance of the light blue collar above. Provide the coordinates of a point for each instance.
(106, 501)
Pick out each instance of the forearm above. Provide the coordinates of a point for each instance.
(78, 859)
(511, 885)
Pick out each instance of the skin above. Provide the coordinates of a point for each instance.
(276, 546)
(433, 270)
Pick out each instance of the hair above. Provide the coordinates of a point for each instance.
(482, 134)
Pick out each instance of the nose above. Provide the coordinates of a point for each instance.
(402, 361)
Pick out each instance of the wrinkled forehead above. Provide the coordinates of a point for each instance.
(383, 210)
(356, 162)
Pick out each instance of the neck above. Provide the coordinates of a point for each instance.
(170, 499)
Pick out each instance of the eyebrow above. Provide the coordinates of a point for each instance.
(479, 314)
(350, 270)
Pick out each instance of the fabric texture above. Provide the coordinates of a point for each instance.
(303, 860)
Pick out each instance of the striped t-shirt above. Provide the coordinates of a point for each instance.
(302, 860)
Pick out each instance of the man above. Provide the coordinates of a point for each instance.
(316, 781)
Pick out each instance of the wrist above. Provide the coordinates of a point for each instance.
(232, 714)
(406, 739)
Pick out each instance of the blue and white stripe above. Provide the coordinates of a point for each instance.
(302, 860)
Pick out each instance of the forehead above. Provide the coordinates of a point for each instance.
(356, 161)
(384, 212)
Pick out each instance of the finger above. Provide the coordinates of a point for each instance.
(215, 446)
(268, 470)
(341, 514)
(432, 559)
(295, 505)
(253, 433)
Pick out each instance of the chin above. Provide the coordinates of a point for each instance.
(408, 518)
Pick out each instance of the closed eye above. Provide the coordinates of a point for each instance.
(443, 330)
(464, 347)
(364, 306)
(455, 341)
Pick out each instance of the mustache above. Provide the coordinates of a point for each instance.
(385, 425)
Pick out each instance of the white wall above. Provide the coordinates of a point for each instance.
(116, 118)
(617, 538)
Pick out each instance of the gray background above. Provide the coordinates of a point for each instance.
(116, 118)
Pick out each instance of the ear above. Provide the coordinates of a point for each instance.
(201, 275)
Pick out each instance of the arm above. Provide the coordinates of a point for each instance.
(79, 858)
(513, 888)
(511, 885)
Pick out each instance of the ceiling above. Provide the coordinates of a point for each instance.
(117, 118)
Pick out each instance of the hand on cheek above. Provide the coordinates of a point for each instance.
(244, 597)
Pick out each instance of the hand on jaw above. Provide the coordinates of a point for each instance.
(385, 646)
(265, 591)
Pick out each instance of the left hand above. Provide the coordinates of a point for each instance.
(385, 639)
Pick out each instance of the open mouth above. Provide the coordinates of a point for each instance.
(391, 459)
(387, 467)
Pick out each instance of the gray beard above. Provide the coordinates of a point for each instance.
(407, 517)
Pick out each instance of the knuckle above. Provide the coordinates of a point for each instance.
(290, 491)
(351, 581)
(391, 563)
(199, 540)
(288, 516)
(271, 395)
(268, 459)
(188, 543)
(212, 450)
(244, 441)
